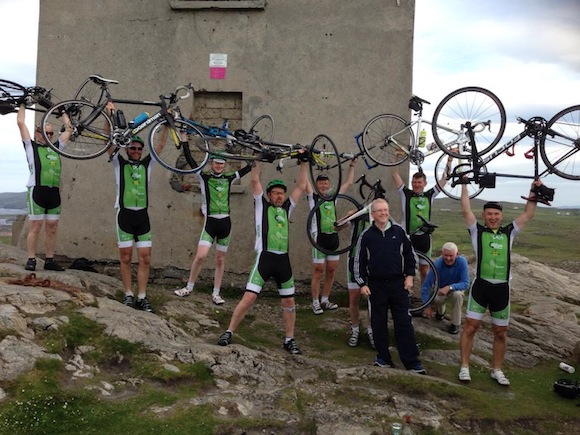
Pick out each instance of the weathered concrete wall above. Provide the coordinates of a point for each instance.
(317, 67)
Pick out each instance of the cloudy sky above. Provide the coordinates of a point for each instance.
(525, 51)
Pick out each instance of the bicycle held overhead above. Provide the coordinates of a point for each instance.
(93, 131)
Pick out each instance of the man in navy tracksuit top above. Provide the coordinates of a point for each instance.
(384, 268)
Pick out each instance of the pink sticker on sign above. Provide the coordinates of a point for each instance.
(217, 73)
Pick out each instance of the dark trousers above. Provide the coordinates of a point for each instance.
(391, 294)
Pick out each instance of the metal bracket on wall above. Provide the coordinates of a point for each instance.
(223, 4)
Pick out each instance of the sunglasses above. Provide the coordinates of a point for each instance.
(136, 148)
(48, 133)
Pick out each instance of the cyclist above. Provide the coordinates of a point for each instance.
(272, 260)
(215, 189)
(132, 176)
(43, 198)
(325, 233)
(492, 244)
(415, 202)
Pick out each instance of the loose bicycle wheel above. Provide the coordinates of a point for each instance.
(263, 127)
(90, 92)
(560, 147)
(325, 161)
(83, 127)
(387, 139)
(457, 166)
(417, 301)
(339, 208)
(481, 108)
(11, 95)
(181, 146)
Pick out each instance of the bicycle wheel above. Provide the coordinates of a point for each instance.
(325, 161)
(387, 139)
(11, 95)
(182, 147)
(263, 127)
(454, 192)
(343, 204)
(560, 147)
(416, 302)
(90, 92)
(88, 128)
(481, 108)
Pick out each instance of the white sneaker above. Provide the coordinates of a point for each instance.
(218, 300)
(316, 308)
(464, 375)
(353, 339)
(500, 377)
(182, 292)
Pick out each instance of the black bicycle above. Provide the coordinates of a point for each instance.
(93, 129)
(12, 95)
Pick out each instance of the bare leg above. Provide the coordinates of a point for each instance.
(353, 306)
(329, 275)
(125, 255)
(317, 269)
(143, 269)
(466, 341)
(289, 315)
(32, 237)
(499, 345)
(241, 309)
(220, 265)
(50, 227)
(197, 263)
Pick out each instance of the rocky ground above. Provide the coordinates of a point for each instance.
(341, 398)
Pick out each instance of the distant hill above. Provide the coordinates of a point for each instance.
(13, 200)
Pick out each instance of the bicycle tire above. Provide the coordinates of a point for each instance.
(263, 128)
(387, 139)
(454, 192)
(416, 303)
(473, 104)
(183, 152)
(12, 93)
(90, 136)
(324, 160)
(343, 204)
(560, 147)
(90, 92)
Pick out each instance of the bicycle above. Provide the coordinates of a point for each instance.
(12, 95)
(322, 155)
(559, 154)
(352, 212)
(93, 130)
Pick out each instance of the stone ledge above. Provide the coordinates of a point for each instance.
(217, 4)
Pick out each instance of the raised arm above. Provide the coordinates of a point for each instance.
(301, 182)
(530, 208)
(468, 215)
(255, 180)
(396, 176)
(20, 121)
(443, 180)
(349, 177)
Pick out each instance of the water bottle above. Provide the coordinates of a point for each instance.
(120, 121)
(567, 368)
(422, 138)
(139, 119)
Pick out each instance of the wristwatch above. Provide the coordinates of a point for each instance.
(450, 288)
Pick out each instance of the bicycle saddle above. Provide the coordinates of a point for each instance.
(427, 226)
(101, 80)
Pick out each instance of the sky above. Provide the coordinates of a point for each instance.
(525, 51)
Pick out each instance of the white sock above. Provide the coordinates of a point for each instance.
(141, 296)
(354, 328)
(216, 291)
(190, 286)
(324, 299)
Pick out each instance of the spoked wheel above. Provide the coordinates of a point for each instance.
(457, 165)
(325, 162)
(560, 147)
(417, 301)
(90, 92)
(481, 108)
(263, 127)
(11, 95)
(387, 139)
(181, 149)
(88, 129)
(328, 212)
